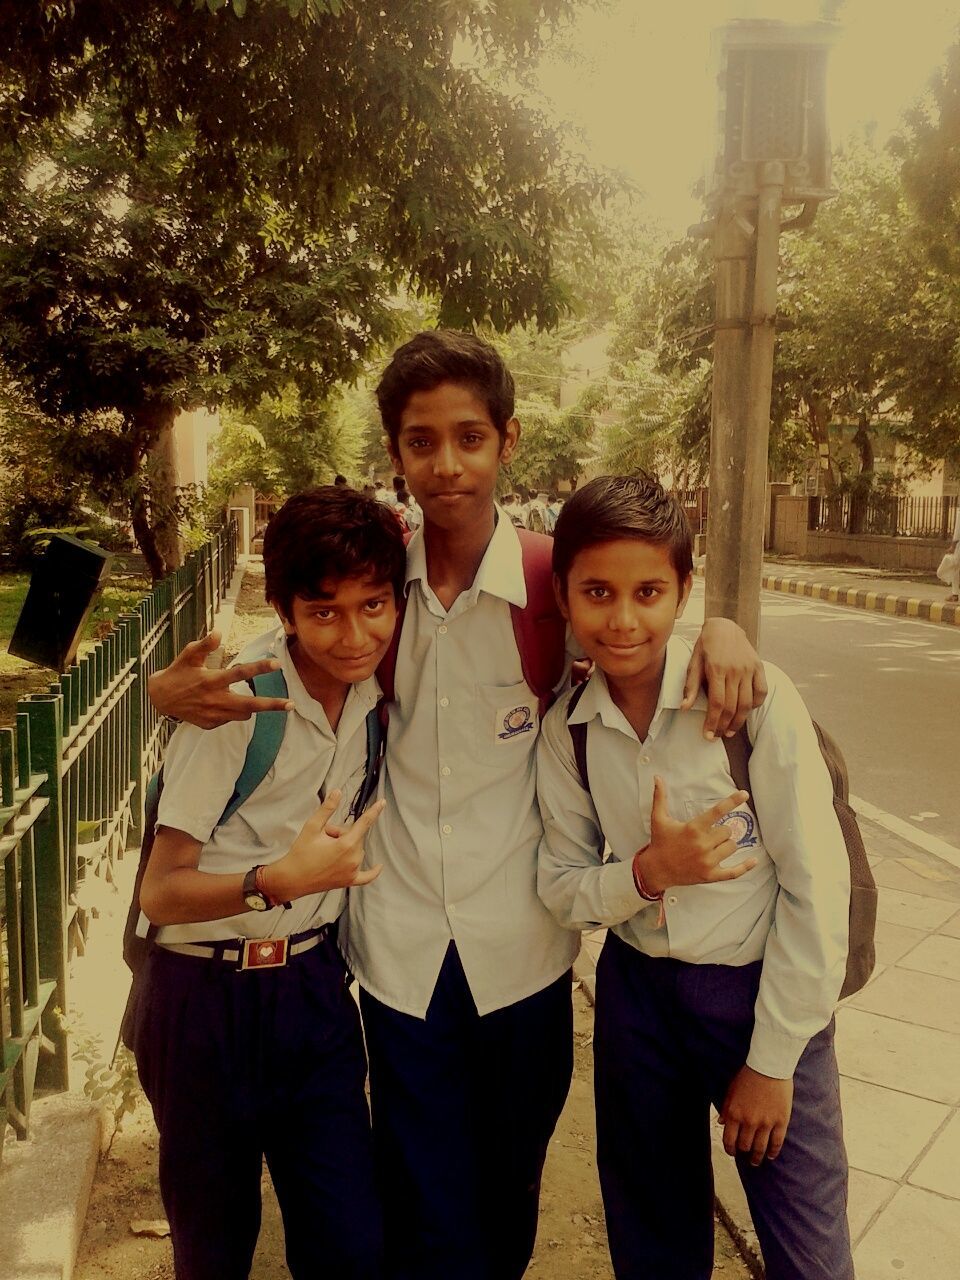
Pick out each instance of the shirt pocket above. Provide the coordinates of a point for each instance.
(506, 723)
(740, 824)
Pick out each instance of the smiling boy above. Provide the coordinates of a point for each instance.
(247, 1042)
(728, 924)
(464, 975)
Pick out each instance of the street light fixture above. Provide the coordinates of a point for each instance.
(772, 148)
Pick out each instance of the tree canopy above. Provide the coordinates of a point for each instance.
(204, 203)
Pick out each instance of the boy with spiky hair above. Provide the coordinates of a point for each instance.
(728, 916)
(464, 975)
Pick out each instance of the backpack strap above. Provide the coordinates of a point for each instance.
(387, 670)
(738, 749)
(539, 628)
(264, 745)
(578, 736)
(376, 739)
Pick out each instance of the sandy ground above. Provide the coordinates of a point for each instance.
(571, 1241)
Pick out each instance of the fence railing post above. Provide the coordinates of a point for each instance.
(46, 750)
(133, 627)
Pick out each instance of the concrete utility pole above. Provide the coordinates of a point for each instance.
(772, 148)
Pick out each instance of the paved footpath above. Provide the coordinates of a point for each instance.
(898, 1045)
(916, 595)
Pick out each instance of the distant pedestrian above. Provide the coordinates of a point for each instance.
(554, 507)
(340, 481)
(720, 992)
(412, 515)
(511, 505)
(955, 572)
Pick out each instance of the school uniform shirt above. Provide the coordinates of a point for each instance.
(791, 910)
(200, 770)
(459, 835)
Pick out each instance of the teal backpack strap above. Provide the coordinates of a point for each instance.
(264, 744)
(375, 745)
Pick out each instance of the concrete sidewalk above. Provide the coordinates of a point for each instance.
(898, 1046)
(860, 587)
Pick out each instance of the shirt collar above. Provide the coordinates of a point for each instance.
(501, 569)
(596, 701)
(366, 692)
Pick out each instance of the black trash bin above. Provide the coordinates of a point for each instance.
(63, 589)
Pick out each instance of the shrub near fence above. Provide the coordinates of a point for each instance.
(71, 801)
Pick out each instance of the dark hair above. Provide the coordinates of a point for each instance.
(339, 479)
(330, 533)
(398, 484)
(445, 355)
(614, 507)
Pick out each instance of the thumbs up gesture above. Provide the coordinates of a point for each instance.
(689, 852)
(323, 856)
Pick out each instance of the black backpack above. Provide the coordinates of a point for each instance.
(861, 955)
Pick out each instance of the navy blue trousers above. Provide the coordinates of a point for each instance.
(669, 1037)
(242, 1066)
(463, 1110)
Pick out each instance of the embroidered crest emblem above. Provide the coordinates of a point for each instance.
(515, 721)
(742, 827)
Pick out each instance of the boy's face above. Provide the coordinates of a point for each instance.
(622, 601)
(450, 451)
(343, 634)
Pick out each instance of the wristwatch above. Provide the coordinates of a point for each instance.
(253, 896)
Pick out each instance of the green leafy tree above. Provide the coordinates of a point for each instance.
(283, 446)
(202, 203)
(927, 372)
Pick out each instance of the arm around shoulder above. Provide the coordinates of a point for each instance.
(187, 690)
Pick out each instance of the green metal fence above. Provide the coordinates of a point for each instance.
(72, 773)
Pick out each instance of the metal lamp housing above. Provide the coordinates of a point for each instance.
(772, 107)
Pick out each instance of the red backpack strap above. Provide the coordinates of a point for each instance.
(539, 628)
(387, 670)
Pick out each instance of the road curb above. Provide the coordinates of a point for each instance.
(861, 598)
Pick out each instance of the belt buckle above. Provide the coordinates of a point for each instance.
(264, 953)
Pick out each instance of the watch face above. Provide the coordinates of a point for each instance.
(255, 902)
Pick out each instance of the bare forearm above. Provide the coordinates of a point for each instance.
(185, 895)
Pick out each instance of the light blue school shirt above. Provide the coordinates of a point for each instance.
(201, 767)
(790, 911)
(459, 836)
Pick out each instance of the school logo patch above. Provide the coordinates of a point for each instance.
(742, 827)
(513, 721)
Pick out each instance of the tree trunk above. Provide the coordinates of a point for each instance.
(860, 496)
(163, 494)
(153, 508)
(144, 536)
(818, 415)
(865, 445)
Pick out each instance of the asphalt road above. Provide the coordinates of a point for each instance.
(888, 689)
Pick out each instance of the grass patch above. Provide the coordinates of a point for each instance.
(19, 678)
